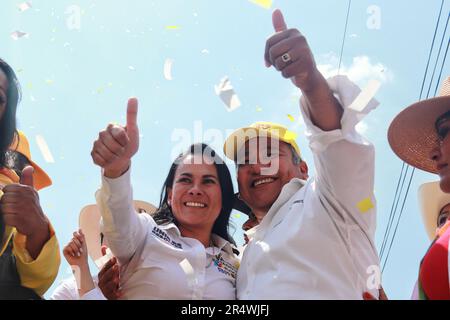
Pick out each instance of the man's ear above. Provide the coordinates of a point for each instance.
(304, 170)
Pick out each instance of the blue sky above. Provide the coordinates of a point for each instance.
(76, 81)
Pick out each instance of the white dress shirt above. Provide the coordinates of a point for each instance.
(314, 242)
(68, 290)
(157, 261)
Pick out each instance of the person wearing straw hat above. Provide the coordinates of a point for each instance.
(89, 240)
(435, 209)
(29, 254)
(419, 136)
(315, 238)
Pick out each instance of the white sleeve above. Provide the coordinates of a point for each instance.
(94, 294)
(124, 229)
(344, 160)
(67, 290)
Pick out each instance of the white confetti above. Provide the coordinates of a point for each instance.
(168, 69)
(100, 262)
(188, 271)
(365, 96)
(131, 68)
(18, 34)
(226, 92)
(42, 144)
(24, 6)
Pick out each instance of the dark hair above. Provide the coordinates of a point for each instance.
(8, 120)
(164, 214)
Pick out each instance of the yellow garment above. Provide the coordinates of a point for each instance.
(38, 274)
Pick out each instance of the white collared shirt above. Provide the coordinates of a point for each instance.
(157, 262)
(314, 242)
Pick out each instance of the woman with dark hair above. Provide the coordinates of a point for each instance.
(29, 255)
(184, 251)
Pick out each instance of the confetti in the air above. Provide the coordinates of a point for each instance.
(266, 4)
(173, 28)
(226, 92)
(365, 96)
(42, 144)
(16, 35)
(365, 205)
(24, 6)
(291, 117)
(168, 69)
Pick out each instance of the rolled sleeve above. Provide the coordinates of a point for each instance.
(40, 273)
(346, 92)
(123, 228)
(345, 160)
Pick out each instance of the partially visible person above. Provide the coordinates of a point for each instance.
(419, 136)
(29, 254)
(88, 241)
(315, 238)
(184, 251)
(435, 209)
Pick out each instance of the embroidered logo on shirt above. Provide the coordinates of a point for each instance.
(163, 236)
(225, 267)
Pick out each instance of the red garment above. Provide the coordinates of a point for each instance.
(434, 271)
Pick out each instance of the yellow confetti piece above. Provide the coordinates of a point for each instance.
(100, 90)
(266, 4)
(237, 215)
(290, 135)
(172, 27)
(365, 205)
(29, 85)
(258, 109)
(291, 117)
(48, 81)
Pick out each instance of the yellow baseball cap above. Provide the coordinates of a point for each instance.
(258, 129)
(40, 178)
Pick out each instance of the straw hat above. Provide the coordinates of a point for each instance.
(89, 223)
(431, 201)
(412, 134)
(40, 178)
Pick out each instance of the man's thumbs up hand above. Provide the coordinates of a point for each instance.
(288, 51)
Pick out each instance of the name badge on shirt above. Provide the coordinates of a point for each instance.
(224, 266)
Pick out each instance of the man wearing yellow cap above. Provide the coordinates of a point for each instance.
(29, 252)
(315, 238)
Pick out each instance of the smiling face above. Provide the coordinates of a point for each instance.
(257, 189)
(441, 154)
(195, 196)
(3, 93)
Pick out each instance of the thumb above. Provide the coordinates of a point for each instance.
(132, 111)
(278, 21)
(27, 176)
